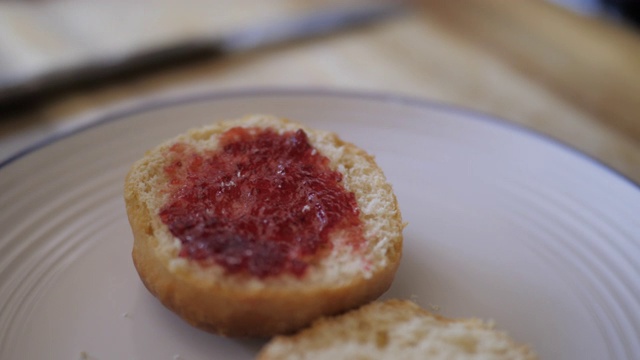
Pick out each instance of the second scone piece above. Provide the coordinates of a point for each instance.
(396, 329)
(258, 226)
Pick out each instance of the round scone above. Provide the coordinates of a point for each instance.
(258, 226)
(396, 329)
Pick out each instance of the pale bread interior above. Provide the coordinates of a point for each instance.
(378, 207)
(396, 329)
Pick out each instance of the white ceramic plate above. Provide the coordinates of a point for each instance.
(503, 224)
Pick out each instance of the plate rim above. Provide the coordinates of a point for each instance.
(158, 101)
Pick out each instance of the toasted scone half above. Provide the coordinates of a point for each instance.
(260, 225)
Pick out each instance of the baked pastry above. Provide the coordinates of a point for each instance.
(395, 329)
(258, 226)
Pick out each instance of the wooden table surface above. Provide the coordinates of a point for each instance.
(573, 78)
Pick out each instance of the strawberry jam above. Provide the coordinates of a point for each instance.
(263, 204)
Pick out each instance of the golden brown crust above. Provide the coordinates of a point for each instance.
(228, 307)
(395, 329)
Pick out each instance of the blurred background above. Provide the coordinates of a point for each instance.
(569, 69)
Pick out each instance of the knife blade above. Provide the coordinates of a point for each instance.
(24, 94)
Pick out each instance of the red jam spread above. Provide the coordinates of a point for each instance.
(262, 204)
